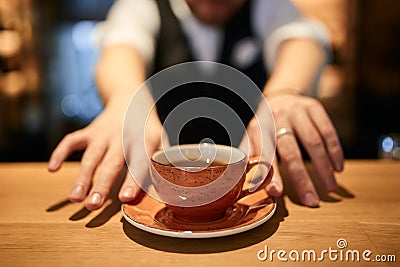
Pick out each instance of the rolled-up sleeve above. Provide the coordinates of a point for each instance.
(131, 22)
(278, 21)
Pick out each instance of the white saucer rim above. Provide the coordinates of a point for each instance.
(210, 234)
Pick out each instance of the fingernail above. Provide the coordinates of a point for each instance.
(338, 166)
(332, 185)
(311, 199)
(273, 190)
(95, 199)
(77, 193)
(128, 193)
(52, 164)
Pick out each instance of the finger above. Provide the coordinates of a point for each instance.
(244, 146)
(90, 160)
(129, 190)
(251, 141)
(164, 140)
(327, 131)
(258, 142)
(70, 143)
(112, 164)
(315, 147)
(290, 155)
(275, 187)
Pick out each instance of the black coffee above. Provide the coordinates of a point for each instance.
(197, 163)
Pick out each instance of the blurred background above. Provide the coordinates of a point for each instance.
(47, 59)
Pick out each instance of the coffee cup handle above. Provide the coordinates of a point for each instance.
(254, 161)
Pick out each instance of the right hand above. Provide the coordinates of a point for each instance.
(102, 142)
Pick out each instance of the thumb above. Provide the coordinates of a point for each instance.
(275, 187)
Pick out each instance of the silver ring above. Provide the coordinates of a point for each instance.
(283, 131)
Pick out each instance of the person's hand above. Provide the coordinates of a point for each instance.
(305, 118)
(102, 141)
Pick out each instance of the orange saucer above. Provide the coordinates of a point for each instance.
(247, 213)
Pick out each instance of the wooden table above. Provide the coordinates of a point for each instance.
(40, 227)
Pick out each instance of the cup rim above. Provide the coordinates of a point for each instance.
(163, 151)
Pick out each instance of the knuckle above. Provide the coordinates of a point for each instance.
(115, 163)
(313, 142)
(88, 163)
(288, 155)
(69, 138)
(253, 124)
(255, 129)
(314, 106)
(93, 152)
(298, 116)
(333, 144)
(332, 141)
(278, 112)
(311, 102)
(336, 150)
(294, 169)
(73, 137)
(328, 131)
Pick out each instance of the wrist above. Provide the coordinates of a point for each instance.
(282, 92)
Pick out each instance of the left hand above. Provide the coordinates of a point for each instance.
(310, 123)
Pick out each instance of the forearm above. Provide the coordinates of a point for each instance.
(119, 73)
(297, 66)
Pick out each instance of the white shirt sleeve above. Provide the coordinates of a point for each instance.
(131, 22)
(276, 21)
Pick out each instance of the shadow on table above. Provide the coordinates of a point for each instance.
(103, 217)
(169, 244)
(106, 213)
(210, 245)
(324, 196)
(194, 246)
